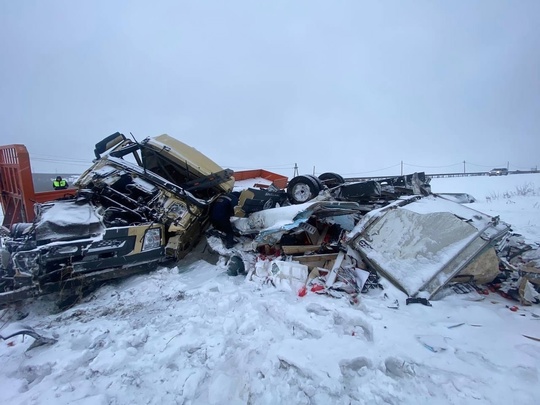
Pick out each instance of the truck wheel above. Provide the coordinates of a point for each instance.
(236, 266)
(18, 229)
(331, 180)
(303, 188)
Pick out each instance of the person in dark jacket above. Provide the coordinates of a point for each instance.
(220, 216)
(59, 183)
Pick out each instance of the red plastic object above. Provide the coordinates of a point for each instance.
(302, 292)
(513, 309)
(484, 291)
(317, 287)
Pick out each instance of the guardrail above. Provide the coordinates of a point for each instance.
(437, 175)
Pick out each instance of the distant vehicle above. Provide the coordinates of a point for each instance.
(503, 171)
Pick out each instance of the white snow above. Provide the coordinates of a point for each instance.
(193, 335)
(502, 196)
(416, 256)
(240, 185)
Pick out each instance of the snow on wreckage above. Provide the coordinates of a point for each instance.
(140, 204)
(145, 203)
(340, 239)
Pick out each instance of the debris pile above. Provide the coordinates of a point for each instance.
(326, 236)
(519, 278)
(145, 203)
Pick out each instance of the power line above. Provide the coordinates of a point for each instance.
(433, 167)
(62, 161)
(372, 171)
(265, 167)
(37, 156)
(523, 168)
(474, 164)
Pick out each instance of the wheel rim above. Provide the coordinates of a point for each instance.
(301, 192)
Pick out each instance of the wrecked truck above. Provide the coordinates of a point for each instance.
(349, 236)
(138, 205)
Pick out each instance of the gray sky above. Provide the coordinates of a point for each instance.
(352, 87)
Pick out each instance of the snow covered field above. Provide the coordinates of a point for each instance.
(193, 335)
(515, 198)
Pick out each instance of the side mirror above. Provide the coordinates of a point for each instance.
(108, 143)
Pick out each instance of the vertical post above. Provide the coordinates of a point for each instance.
(402, 167)
(295, 170)
(507, 165)
(314, 170)
(464, 171)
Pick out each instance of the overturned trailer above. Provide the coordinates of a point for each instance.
(138, 205)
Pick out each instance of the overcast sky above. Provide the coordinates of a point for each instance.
(353, 87)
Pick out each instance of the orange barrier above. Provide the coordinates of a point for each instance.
(277, 179)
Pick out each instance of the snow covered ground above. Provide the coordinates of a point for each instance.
(193, 335)
(515, 198)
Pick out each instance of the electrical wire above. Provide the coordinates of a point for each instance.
(373, 171)
(287, 166)
(433, 167)
(474, 164)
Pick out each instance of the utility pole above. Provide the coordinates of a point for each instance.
(295, 170)
(314, 170)
(507, 165)
(464, 171)
(402, 167)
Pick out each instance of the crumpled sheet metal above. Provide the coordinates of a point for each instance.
(423, 243)
(269, 225)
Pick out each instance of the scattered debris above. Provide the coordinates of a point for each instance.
(349, 235)
(14, 329)
(422, 301)
(146, 203)
(434, 343)
(421, 243)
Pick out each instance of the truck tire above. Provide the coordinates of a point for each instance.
(303, 188)
(331, 180)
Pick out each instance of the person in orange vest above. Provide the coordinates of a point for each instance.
(60, 183)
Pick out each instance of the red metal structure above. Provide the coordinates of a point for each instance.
(277, 179)
(17, 195)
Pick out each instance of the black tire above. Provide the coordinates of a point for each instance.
(236, 266)
(331, 180)
(303, 188)
(18, 229)
(316, 180)
(269, 204)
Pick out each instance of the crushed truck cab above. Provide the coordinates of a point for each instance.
(138, 205)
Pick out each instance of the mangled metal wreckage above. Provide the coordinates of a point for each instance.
(340, 237)
(138, 205)
(145, 203)
(419, 243)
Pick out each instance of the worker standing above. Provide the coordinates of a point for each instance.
(220, 216)
(59, 183)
